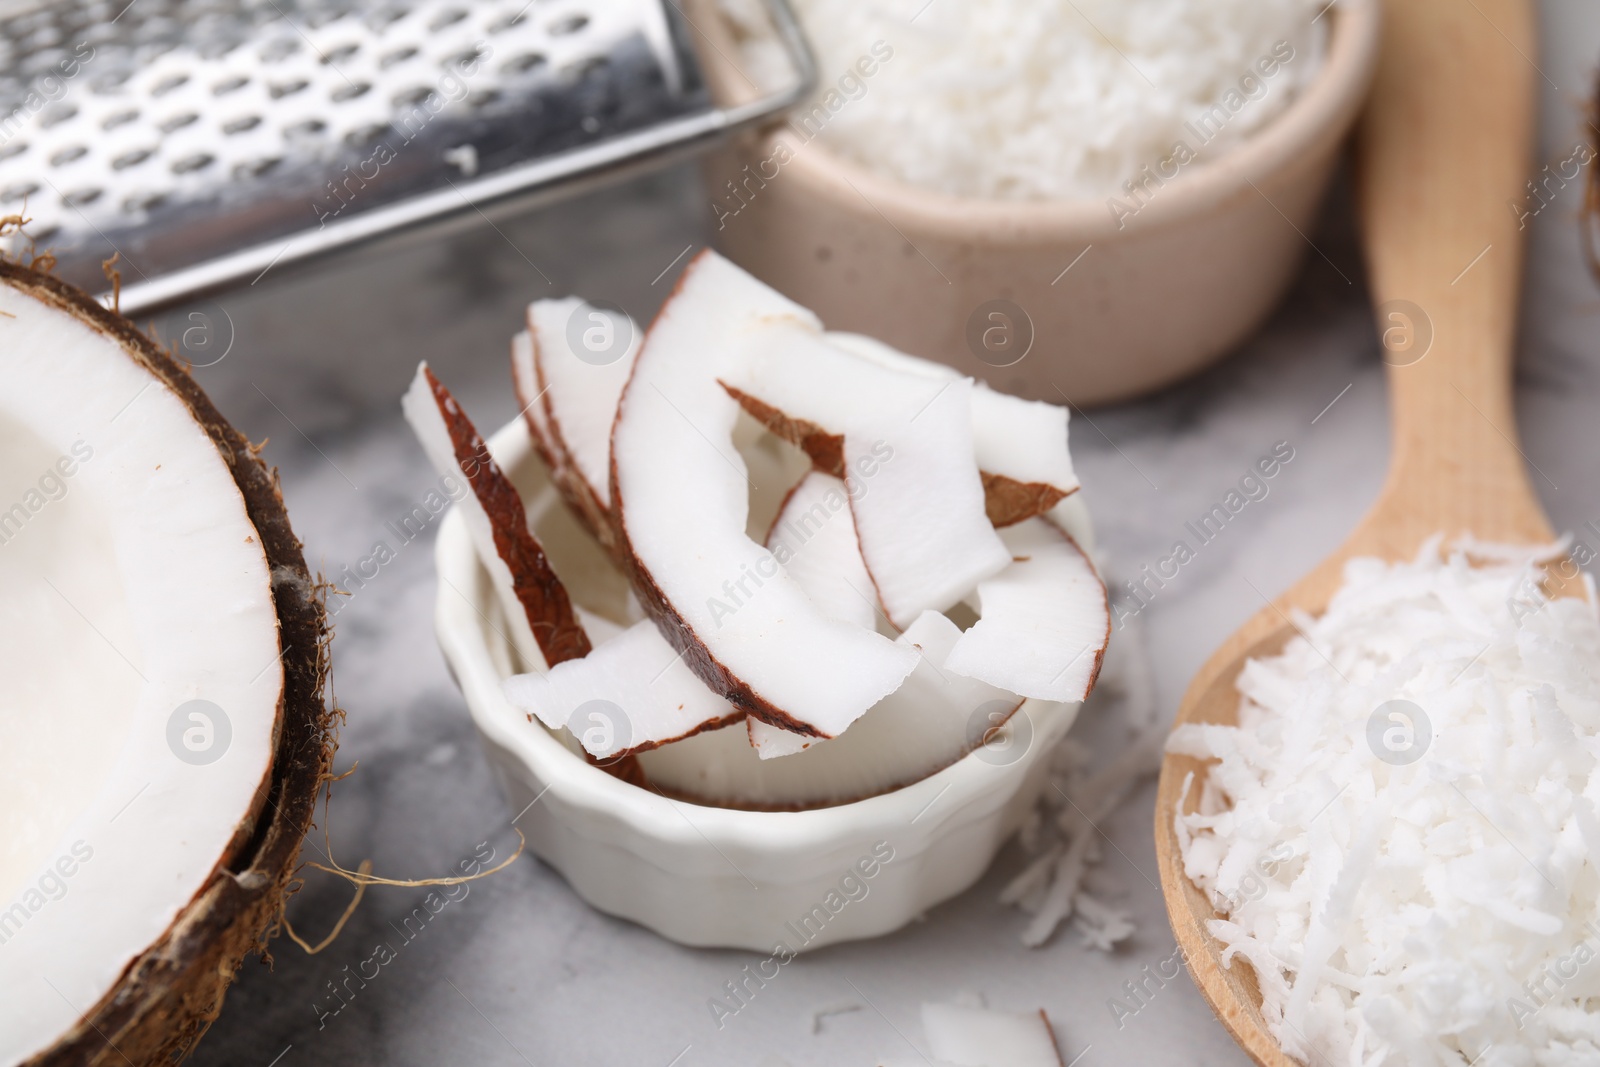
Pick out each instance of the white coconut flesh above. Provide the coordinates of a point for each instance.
(1023, 442)
(632, 693)
(932, 720)
(1043, 622)
(581, 386)
(814, 539)
(907, 456)
(525, 382)
(132, 585)
(681, 501)
(983, 1037)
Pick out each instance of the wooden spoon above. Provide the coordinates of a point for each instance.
(1441, 157)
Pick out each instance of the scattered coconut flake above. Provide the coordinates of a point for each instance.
(1062, 835)
(984, 1037)
(1400, 830)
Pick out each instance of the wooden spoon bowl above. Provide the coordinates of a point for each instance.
(1440, 154)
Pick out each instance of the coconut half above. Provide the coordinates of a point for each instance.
(544, 628)
(932, 720)
(680, 495)
(1043, 622)
(165, 650)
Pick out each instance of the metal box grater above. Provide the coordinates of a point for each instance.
(208, 141)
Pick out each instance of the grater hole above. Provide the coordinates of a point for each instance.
(279, 90)
(524, 63)
(462, 60)
(365, 135)
(57, 115)
(308, 128)
(593, 66)
(412, 97)
(178, 122)
(254, 168)
(241, 124)
(166, 85)
(399, 55)
(228, 85)
(15, 148)
(132, 158)
(501, 25)
(340, 54)
(350, 92)
(121, 118)
(279, 50)
(190, 164)
(447, 18)
(110, 81)
(143, 202)
(389, 16)
(19, 191)
(68, 155)
(45, 236)
(480, 98)
(569, 25)
(80, 197)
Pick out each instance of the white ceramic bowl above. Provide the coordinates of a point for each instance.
(715, 876)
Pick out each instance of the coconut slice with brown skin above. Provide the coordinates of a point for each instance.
(164, 649)
(525, 382)
(932, 720)
(907, 458)
(632, 693)
(1043, 622)
(681, 499)
(544, 628)
(1020, 445)
(814, 539)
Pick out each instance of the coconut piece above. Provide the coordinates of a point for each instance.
(1044, 621)
(1020, 445)
(982, 1037)
(906, 454)
(814, 539)
(146, 562)
(681, 499)
(629, 695)
(543, 627)
(525, 382)
(579, 391)
(931, 721)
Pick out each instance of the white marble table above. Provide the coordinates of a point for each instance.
(519, 970)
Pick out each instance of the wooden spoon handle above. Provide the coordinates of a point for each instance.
(1441, 165)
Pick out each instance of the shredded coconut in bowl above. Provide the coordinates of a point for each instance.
(1402, 830)
(1041, 99)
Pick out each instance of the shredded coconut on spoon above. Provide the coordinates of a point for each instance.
(1401, 831)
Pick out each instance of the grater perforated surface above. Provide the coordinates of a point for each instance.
(206, 140)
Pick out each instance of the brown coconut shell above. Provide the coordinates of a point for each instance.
(168, 996)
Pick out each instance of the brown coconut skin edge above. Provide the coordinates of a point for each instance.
(168, 996)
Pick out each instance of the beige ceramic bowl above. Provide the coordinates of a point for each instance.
(1182, 282)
